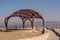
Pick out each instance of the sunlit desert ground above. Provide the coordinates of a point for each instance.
(17, 34)
(29, 35)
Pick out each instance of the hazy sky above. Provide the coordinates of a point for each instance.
(49, 9)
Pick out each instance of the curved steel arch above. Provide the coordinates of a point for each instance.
(24, 14)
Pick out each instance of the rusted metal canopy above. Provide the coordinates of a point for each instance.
(24, 14)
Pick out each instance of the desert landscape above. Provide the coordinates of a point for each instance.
(34, 34)
(29, 19)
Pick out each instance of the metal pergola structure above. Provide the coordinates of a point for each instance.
(24, 14)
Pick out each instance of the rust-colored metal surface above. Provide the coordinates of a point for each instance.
(24, 14)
